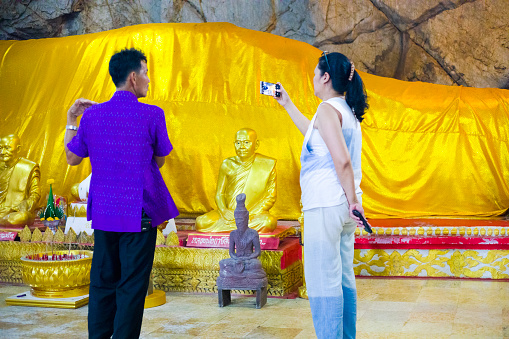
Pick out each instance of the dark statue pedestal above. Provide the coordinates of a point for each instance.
(224, 296)
(226, 285)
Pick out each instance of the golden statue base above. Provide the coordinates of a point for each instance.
(68, 293)
(26, 299)
(156, 298)
(187, 269)
(303, 292)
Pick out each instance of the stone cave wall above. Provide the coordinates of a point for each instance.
(451, 42)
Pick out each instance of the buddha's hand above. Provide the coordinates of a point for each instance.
(227, 214)
(79, 106)
(283, 99)
(22, 207)
(4, 210)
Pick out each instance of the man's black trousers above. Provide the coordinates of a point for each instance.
(119, 280)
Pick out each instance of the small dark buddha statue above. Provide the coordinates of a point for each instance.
(243, 269)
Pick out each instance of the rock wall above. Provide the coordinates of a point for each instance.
(452, 42)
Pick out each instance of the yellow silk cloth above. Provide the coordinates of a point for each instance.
(429, 150)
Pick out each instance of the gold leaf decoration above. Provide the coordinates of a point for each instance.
(36, 235)
(48, 235)
(172, 239)
(82, 238)
(160, 238)
(25, 235)
(71, 237)
(59, 236)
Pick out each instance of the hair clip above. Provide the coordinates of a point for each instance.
(352, 69)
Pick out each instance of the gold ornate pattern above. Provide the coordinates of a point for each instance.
(36, 235)
(70, 237)
(490, 264)
(289, 231)
(10, 254)
(25, 235)
(196, 270)
(172, 239)
(48, 235)
(59, 236)
(83, 238)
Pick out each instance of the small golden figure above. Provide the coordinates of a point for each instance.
(80, 190)
(251, 173)
(19, 185)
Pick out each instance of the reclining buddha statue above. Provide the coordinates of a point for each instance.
(19, 185)
(251, 173)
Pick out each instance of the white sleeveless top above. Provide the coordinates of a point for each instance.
(318, 179)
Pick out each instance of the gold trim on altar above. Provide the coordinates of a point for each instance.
(457, 263)
(438, 231)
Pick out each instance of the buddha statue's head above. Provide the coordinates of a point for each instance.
(246, 143)
(241, 213)
(9, 149)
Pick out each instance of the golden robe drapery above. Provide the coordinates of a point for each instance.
(428, 150)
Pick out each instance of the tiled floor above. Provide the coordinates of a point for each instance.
(387, 308)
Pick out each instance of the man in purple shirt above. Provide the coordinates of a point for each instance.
(126, 142)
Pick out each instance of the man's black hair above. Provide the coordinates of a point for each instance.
(124, 62)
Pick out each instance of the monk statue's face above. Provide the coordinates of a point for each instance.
(246, 144)
(9, 148)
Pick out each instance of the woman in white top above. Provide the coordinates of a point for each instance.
(330, 179)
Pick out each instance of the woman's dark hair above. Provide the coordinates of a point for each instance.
(339, 67)
(124, 62)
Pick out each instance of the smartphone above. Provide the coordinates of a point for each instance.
(268, 88)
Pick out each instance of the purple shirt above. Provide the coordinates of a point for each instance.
(121, 137)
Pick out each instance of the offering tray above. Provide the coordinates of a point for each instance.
(56, 274)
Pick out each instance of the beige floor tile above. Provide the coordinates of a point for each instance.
(483, 285)
(285, 321)
(427, 329)
(231, 330)
(505, 314)
(475, 329)
(360, 313)
(390, 306)
(494, 310)
(399, 297)
(366, 295)
(436, 307)
(432, 317)
(372, 335)
(306, 334)
(398, 316)
(437, 296)
(480, 318)
(505, 331)
(387, 308)
(273, 333)
(379, 327)
(441, 283)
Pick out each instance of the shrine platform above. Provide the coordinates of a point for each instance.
(434, 248)
(425, 248)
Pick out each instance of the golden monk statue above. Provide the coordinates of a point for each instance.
(80, 190)
(250, 173)
(19, 185)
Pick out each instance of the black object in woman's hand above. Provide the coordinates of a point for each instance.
(366, 225)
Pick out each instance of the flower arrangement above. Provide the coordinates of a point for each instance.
(52, 211)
